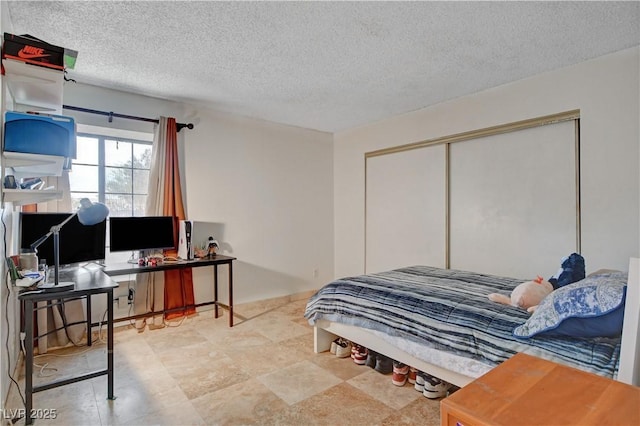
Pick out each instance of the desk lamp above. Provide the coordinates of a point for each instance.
(88, 214)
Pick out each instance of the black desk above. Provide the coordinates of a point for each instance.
(130, 268)
(88, 282)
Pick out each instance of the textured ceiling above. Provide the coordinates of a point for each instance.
(322, 65)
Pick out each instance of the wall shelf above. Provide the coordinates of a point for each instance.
(20, 197)
(23, 165)
(34, 88)
(30, 88)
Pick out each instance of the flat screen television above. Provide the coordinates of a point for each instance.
(135, 233)
(78, 243)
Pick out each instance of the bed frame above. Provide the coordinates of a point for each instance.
(629, 371)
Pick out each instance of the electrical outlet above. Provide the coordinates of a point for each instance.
(130, 297)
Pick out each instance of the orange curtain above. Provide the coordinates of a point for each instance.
(178, 284)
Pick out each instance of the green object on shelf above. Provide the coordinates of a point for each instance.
(70, 58)
(13, 271)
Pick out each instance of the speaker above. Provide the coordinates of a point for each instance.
(185, 241)
(193, 235)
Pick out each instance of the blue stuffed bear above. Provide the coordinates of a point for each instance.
(571, 270)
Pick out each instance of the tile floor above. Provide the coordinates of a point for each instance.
(260, 372)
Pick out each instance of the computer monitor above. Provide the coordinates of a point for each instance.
(141, 233)
(78, 242)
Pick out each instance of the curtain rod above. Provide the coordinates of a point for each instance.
(112, 114)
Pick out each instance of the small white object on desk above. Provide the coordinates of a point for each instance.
(29, 279)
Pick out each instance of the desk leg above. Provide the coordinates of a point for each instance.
(88, 320)
(109, 344)
(215, 291)
(28, 343)
(230, 294)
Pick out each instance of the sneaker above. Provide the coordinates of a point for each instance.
(384, 364)
(354, 349)
(419, 386)
(371, 359)
(361, 355)
(412, 375)
(435, 388)
(400, 374)
(344, 348)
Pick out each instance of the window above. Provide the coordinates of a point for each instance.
(113, 171)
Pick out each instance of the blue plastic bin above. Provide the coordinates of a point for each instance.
(40, 134)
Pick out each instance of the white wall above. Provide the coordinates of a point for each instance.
(605, 90)
(9, 312)
(269, 187)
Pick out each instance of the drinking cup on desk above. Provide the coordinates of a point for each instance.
(43, 269)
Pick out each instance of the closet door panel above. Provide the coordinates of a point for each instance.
(513, 203)
(405, 209)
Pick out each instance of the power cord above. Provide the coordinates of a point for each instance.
(132, 323)
(100, 339)
(168, 324)
(61, 311)
(45, 366)
(23, 336)
(6, 315)
(165, 323)
(63, 316)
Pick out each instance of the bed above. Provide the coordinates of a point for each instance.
(441, 321)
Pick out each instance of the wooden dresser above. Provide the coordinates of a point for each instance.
(526, 390)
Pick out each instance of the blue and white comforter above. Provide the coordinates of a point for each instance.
(448, 310)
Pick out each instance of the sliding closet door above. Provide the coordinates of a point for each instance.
(405, 209)
(513, 208)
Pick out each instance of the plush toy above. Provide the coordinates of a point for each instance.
(526, 295)
(571, 270)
